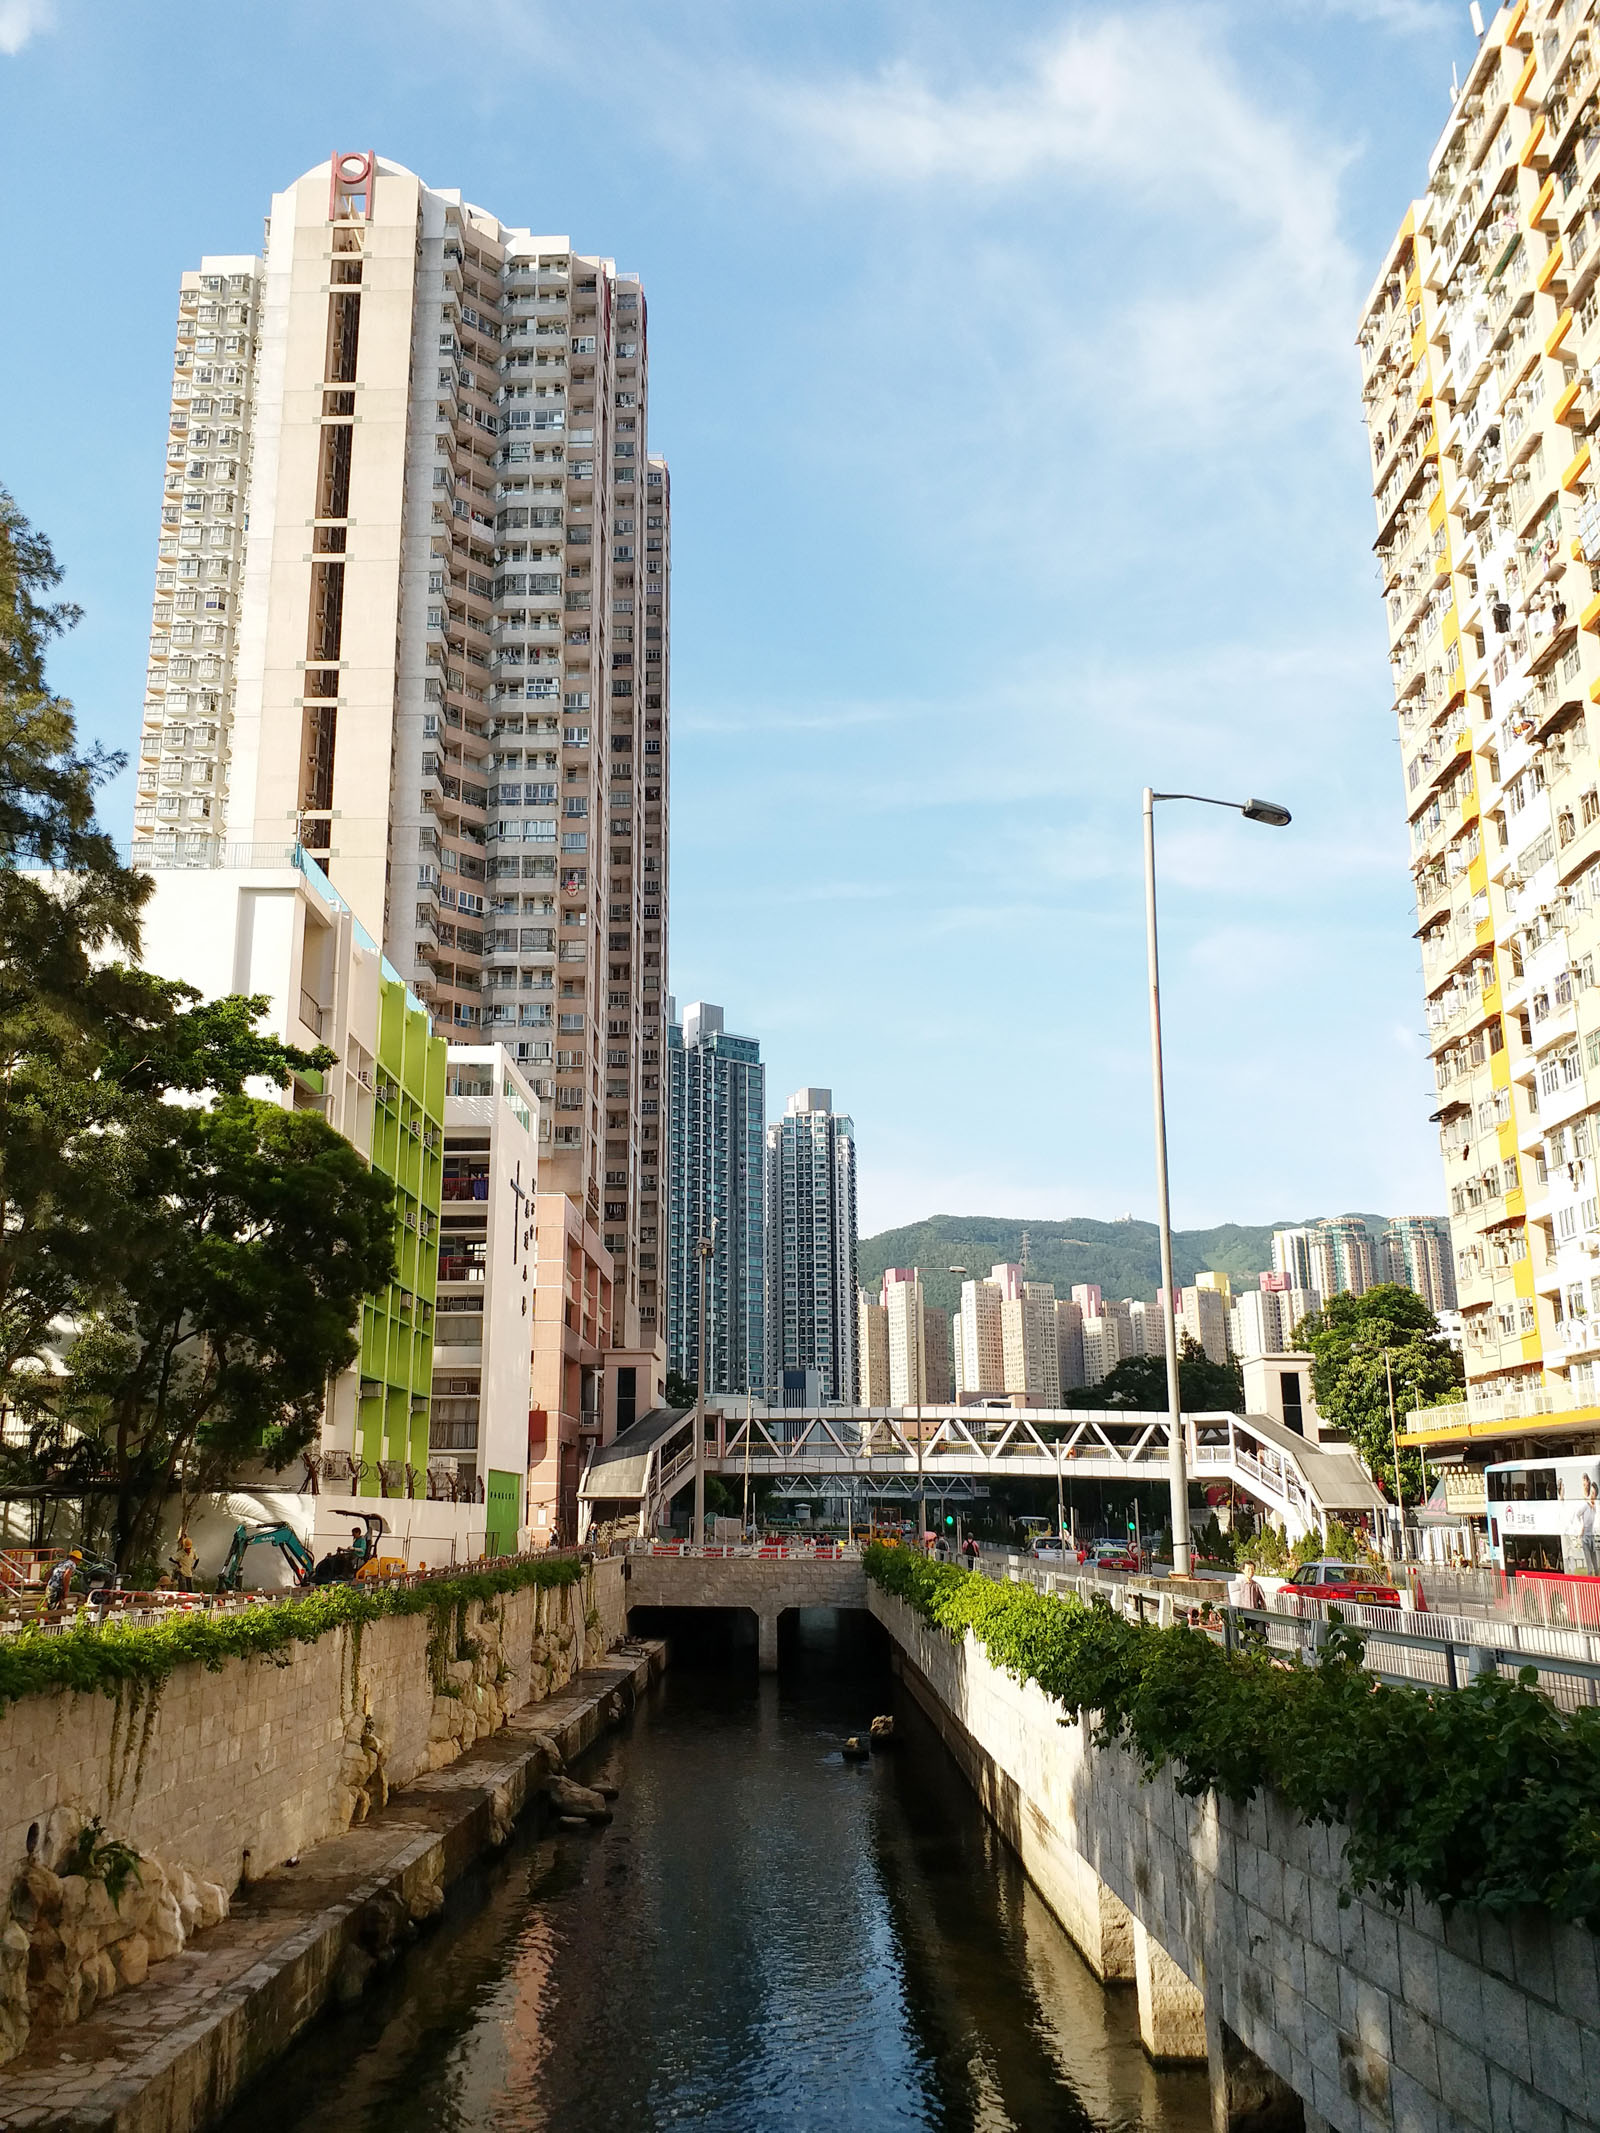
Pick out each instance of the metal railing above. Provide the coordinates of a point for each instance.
(747, 1551)
(1453, 1651)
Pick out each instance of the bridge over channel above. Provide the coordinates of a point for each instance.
(766, 1586)
(870, 1456)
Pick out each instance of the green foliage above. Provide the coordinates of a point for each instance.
(98, 1857)
(680, 1392)
(1349, 1340)
(1485, 1795)
(1140, 1381)
(105, 1658)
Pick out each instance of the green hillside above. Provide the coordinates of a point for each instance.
(1123, 1257)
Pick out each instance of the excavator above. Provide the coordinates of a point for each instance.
(335, 1568)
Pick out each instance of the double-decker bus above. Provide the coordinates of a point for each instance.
(1544, 1518)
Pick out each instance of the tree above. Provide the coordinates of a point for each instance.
(254, 1234)
(1348, 1341)
(58, 991)
(680, 1393)
(181, 1263)
(1140, 1381)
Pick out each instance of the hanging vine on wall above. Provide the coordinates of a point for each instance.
(103, 1658)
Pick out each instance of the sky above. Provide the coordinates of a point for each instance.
(1003, 357)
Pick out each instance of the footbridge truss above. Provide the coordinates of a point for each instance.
(870, 1456)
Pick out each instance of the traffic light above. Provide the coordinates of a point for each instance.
(949, 1518)
(1133, 1521)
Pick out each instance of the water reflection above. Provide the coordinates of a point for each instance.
(766, 1936)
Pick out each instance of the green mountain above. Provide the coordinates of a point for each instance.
(1123, 1257)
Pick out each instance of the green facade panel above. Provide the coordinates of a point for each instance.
(408, 1149)
(503, 1506)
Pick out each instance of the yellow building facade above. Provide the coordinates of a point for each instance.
(1480, 359)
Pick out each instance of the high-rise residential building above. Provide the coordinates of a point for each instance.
(1478, 345)
(1086, 1295)
(1069, 1345)
(938, 1359)
(872, 1351)
(982, 1349)
(906, 1325)
(1416, 1253)
(716, 1126)
(1335, 1257)
(1301, 1257)
(811, 1244)
(1348, 1243)
(1148, 1325)
(412, 614)
(1028, 1341)
(1102, 1347)
(1121, 1309)
(1202, 1317)
(1263, 1321)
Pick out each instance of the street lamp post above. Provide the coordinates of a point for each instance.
(1177, 1467)
(922, 1485)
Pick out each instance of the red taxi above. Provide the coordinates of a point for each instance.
(1323, 1580)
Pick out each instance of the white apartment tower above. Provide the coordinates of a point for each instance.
(412, 614)
(906, 1316)
(1028, 1343)
(980, 1354)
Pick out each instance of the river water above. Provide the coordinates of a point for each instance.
(766, 1936)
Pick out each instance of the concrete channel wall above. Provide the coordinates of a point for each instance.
(1228, 1922)
(217, 1778)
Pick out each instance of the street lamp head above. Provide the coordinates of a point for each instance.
(1266, 811)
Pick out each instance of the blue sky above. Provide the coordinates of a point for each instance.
(1003, 357)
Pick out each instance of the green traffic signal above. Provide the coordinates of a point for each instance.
(949, 1518)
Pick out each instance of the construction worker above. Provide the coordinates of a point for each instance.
(59, 1582)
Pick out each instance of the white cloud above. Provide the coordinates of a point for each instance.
(1408, 18)
(22, 19)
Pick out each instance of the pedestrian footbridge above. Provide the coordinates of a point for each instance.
(875, 1457)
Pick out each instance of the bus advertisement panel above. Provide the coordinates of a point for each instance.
(1544, 1514)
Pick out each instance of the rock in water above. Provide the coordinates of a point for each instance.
(855, 1749)
(570, 1799)
(881, 1731)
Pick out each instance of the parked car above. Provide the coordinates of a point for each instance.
(1324, 1580)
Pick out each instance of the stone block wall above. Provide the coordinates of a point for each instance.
(1379, 2021)
(215, 1778)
